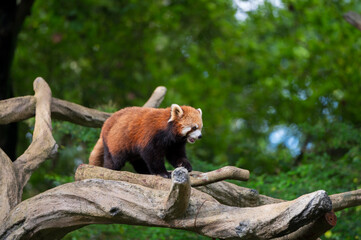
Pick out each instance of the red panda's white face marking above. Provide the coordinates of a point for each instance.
(188, 120)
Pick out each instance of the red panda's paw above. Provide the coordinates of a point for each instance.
(187, 166)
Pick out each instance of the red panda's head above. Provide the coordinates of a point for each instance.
(187, 122)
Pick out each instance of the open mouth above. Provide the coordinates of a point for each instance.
(191, 140)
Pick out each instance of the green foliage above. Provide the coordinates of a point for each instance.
(321, 173)
(293, 69)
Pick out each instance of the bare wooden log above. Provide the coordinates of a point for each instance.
(86, 171)
(65, 208)
(224, 173)
(354, 19)
(71, 112)
(43, 144)
(313, 230)
(177, 200)
(344, 200)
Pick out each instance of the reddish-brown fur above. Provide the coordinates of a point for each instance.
(134, 131)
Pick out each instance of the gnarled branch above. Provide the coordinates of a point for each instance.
(57, 211)
(43, 144)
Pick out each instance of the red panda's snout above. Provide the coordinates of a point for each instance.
(194, 135)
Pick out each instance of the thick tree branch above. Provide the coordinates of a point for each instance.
(344, 200)
(57, 211)
(86, 171)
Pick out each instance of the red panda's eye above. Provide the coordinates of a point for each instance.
(194, 128)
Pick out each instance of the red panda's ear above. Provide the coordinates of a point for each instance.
(175, 112)
(200, 111)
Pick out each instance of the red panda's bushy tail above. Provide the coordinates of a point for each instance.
(96, 157)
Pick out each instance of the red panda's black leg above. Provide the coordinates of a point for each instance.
(139, 166)
(156, 165)
(176, 155)
(113, 162)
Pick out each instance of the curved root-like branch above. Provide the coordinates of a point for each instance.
(43, 144)
(224, 173)
(177, 200)
(57, 211)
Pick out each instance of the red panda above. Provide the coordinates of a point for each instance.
(145, 136)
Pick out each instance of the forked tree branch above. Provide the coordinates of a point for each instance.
(43, 144)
